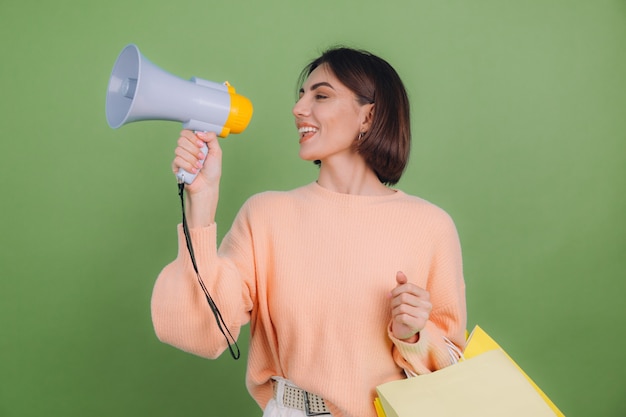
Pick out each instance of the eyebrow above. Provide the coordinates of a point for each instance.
(318, 85)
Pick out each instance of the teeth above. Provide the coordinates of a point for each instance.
(307, 129)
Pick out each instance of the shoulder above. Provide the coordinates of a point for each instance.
(272, 202)
(424, 213)
(275, 197)
(423, 206)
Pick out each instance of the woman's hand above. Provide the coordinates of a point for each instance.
(410, 309)
(190, 158)
(203, 192)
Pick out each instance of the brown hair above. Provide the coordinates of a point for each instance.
(386, 146)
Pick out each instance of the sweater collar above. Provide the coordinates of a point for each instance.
(351, 199)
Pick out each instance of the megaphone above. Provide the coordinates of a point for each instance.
(139, 90)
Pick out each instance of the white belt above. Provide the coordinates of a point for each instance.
(294, 397)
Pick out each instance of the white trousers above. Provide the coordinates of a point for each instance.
(274, 409)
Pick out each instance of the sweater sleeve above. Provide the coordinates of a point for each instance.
(444, 334)
(181, 315)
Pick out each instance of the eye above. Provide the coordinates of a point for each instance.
(322, 94)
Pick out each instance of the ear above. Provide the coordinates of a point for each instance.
(367, 116)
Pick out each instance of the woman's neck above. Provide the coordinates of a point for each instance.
(356, 179)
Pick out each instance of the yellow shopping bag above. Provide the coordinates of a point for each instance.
(487, 382)
(479, 342)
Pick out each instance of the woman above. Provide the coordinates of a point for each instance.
(346, 282)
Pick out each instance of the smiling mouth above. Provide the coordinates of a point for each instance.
(306, 132)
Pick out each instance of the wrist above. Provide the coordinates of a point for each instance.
(202, 208)
(412, 339)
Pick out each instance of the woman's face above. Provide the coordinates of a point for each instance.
(328, 117)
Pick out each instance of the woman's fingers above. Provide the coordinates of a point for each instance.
(410, 307)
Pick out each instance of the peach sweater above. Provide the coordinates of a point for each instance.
(310, 270)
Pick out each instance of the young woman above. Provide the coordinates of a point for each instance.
(346, 282)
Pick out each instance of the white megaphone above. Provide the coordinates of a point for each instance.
(139, 90)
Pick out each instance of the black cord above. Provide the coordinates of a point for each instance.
(216, 312)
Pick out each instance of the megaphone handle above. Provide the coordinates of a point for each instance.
(197, 126)
(186, 177)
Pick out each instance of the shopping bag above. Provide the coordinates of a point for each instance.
(380, 412)
(479, 342)
(486, 383)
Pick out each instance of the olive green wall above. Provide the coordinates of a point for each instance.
(519, 129)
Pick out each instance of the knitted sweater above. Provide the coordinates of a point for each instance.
(310, 270)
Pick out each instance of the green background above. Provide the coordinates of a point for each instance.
(519, 133)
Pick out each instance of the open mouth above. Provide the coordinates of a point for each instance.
(306, 132)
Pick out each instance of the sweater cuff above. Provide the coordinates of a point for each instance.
(203, 241)
(410, 351)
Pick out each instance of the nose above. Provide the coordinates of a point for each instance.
(300, 108)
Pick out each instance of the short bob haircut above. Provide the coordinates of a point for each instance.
(386, 146)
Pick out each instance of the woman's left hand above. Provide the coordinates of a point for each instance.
(410, 309)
